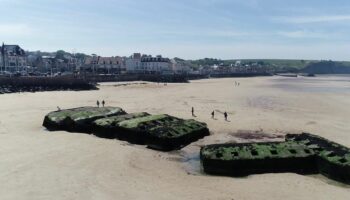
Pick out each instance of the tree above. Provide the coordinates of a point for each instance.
(60, 54)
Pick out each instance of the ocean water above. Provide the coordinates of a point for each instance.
(318, 84)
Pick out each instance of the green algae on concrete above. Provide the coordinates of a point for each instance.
(254, 158)
(333, 159)
(111, 121)
(108, 127)
(256, 151)
(162, 132)
(141, 121)
(303, 153)
(78, 119)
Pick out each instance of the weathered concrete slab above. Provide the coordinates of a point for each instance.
(78, 119)
(304, 154)
(162, 132)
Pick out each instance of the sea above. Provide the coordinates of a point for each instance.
(319, 83)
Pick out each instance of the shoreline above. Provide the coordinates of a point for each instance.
(68, 83)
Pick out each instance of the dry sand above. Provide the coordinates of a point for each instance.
(36, 164)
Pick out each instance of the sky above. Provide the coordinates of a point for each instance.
(189, 29)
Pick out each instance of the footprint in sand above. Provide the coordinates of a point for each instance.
(2, 129)
(311, 123)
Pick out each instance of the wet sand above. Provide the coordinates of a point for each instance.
(36, 164)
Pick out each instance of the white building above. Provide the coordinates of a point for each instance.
(179, 67)
(133, 64)
(109, 65)
(13, 58)
(146, 64)
(156, 65)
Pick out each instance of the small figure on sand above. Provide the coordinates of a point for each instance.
(58, 108)
(192, 111)
(225, 115)
(103, 103)
(98, 104)
(213, 114)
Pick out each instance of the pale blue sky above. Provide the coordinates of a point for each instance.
(297, 29)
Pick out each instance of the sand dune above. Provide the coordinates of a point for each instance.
(36, 164)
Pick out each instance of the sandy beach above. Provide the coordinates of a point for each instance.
(37, 164)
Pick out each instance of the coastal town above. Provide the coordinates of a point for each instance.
(175, 100)
(15, 61)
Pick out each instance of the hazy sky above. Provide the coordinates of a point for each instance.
(298, 29)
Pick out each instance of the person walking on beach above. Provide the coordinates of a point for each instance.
(192, 111)
(212, 114)
(103, 103)
(225, 115)
(98, 104)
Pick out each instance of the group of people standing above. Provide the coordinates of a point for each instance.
(98, 103)
(212, 114)
(192, 110)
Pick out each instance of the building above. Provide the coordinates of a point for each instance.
(73, 64)
(106, 65)
(90, 64)
(133, 64)
(179, 67)
(51, 64)
(111, 65)
(13, 58)
(47, 64)
(146, 64)
(156, 65)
